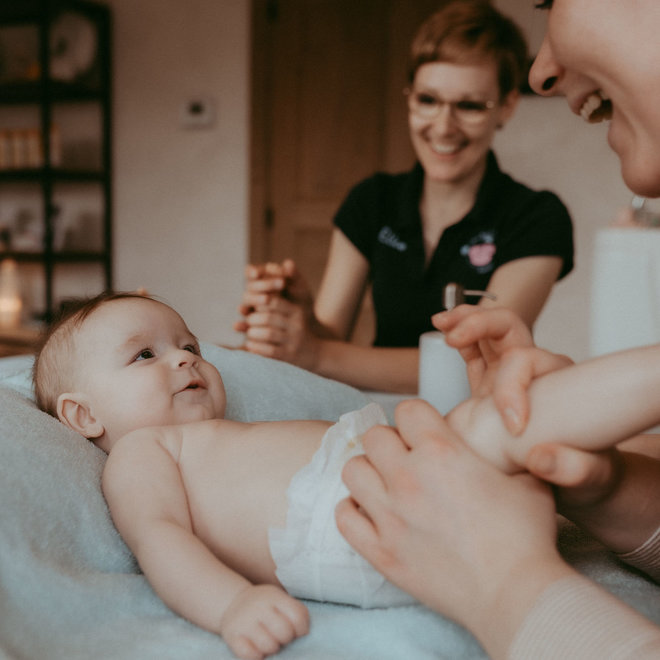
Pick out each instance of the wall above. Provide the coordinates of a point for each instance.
(547, 147)
(181, 195)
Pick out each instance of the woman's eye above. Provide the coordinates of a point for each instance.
(145, 354)
(426, 99)
(471, 106)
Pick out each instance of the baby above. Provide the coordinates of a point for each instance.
(228, 520)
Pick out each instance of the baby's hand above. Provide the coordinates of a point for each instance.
(262, 619)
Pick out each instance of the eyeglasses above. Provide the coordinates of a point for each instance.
(466, 111)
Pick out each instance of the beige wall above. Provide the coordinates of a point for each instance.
(181, 195)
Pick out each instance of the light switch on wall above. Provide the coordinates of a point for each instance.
(198, 112)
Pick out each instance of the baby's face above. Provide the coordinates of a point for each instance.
(139, 365)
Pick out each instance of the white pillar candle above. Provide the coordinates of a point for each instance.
(443, 378)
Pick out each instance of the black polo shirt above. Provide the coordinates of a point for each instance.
(380, 216)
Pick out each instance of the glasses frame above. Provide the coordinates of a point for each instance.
(472, 117)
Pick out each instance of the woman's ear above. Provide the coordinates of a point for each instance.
(74, 411)
(508, 107)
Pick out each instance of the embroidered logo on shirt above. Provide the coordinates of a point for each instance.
(480, 251)
(387, 237)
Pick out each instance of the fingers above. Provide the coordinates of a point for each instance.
(278, 626)
(287, 620)
(572, 468)
(365, 478)
(361, 476)
(268, 619)
(468, 324)
(289, 268)
(265, 278)
(419, 422)
(517, 369)
(356, 527)
(269, 269)
(284, 278)
(278, 314)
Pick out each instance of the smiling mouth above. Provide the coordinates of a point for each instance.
(596, 108)
(445, 149)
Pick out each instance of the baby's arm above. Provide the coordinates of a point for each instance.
(143, 487)
(591, 405)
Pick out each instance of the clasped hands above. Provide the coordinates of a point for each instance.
(277, 314)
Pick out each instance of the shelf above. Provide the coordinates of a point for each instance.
(68, 256)
(37, 195)
(20, 93)
(24, 11)
(53, 174)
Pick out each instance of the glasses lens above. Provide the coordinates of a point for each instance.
(428, 106)
(424, 105)
(471, 112)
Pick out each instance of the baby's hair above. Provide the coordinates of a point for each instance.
(52, 370)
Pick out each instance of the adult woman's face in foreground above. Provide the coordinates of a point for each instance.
(604, 57)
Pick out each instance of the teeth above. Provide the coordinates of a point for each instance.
(444, 149)
(596, 108)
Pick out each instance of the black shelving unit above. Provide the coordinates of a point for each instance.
(52, 94)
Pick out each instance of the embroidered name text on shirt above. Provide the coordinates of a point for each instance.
(387, 237)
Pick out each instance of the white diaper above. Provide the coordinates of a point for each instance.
(313, 559)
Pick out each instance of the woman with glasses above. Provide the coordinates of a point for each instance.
(454, 218)
(480, 546)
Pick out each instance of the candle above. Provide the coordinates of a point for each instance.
(11, 304)
(443, 378)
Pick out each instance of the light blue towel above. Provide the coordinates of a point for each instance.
(69, 587)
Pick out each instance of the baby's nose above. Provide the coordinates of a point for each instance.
(185, 358)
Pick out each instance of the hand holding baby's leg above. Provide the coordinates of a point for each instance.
(438, 521)
(262, 619)
(500, 356)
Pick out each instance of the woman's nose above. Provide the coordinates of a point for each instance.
(445, 120)
(545, 74)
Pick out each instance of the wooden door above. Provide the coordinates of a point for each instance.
(327, 111)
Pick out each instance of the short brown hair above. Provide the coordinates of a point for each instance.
(52, 371)
(470, 31)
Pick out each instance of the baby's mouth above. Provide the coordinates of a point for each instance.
(193, 385)
(596, 108)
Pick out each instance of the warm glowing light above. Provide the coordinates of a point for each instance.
(11, 304)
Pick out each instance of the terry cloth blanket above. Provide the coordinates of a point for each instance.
(69, 587)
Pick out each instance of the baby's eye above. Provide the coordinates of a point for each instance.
(144, 354)
(193, 348)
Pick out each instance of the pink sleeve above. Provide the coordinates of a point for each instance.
(646, 557)
(574, 618)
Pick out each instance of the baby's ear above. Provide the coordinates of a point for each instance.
(73, 409)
